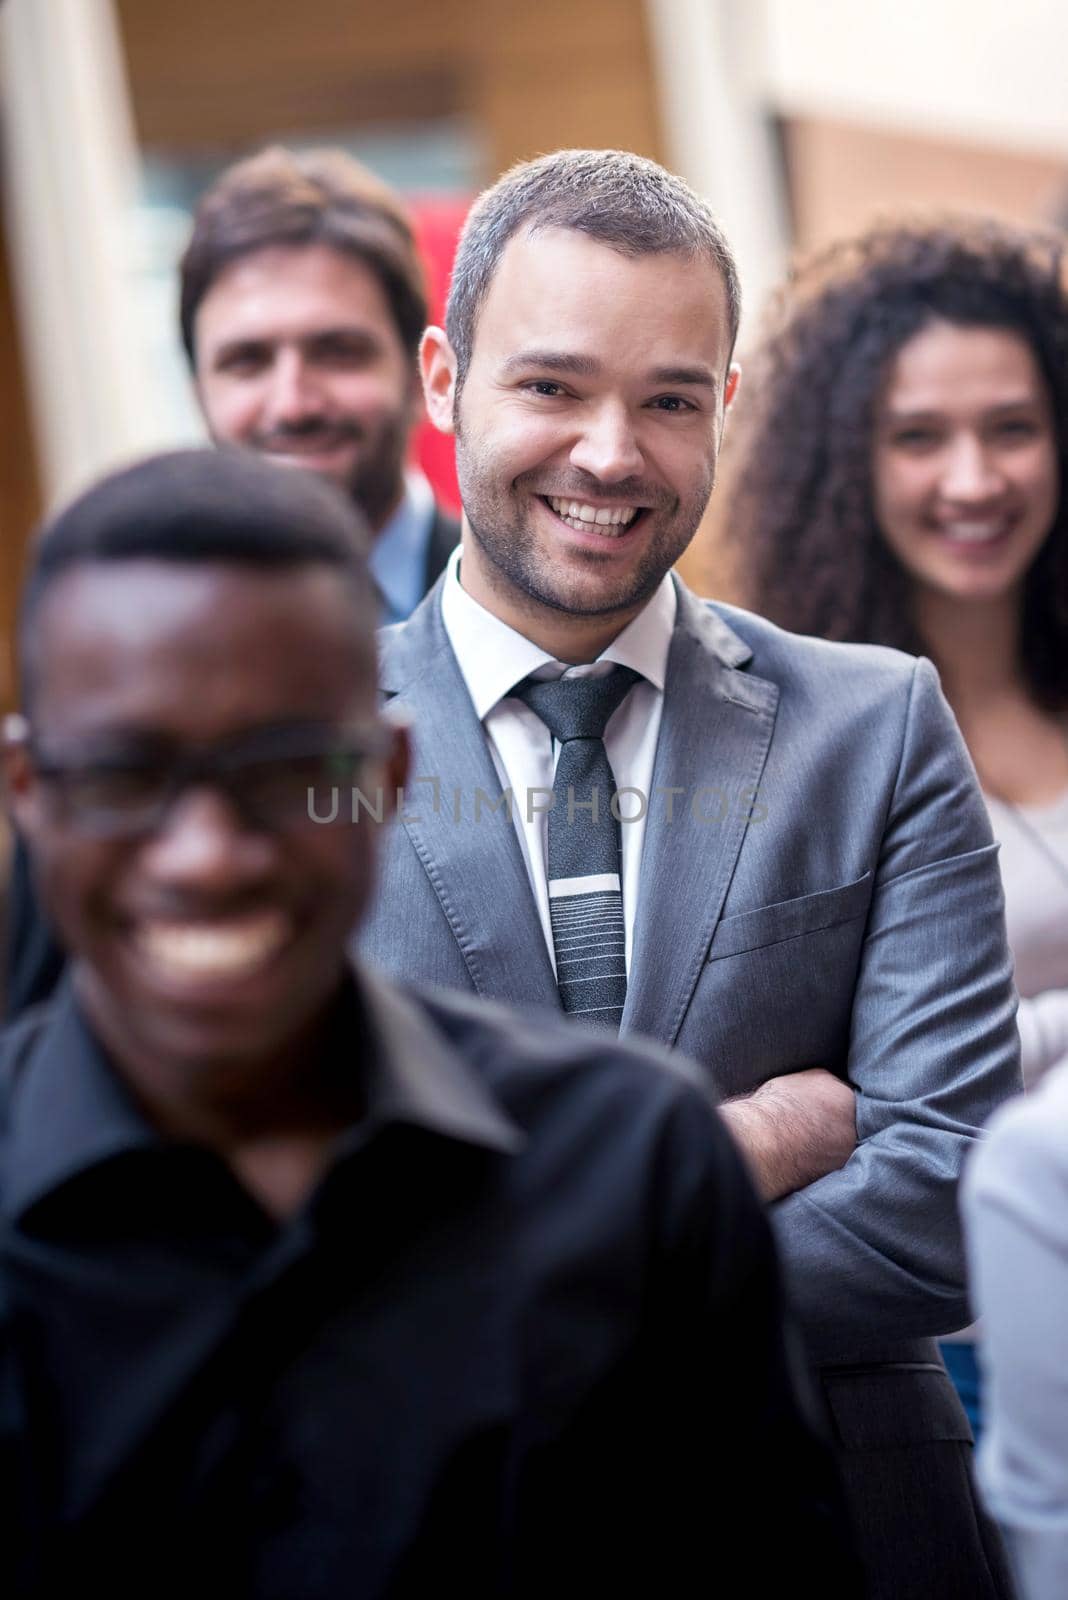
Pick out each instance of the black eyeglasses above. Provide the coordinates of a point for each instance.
(275, 778)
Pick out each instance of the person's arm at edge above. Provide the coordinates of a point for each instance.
(1043, 1024)
(1014, 1201)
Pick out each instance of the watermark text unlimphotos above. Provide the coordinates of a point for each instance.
(706, 805)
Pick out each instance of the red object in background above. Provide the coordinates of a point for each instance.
(437, 225)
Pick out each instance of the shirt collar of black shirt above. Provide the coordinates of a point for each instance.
(69, 1111)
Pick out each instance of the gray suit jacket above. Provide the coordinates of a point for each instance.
(821, 890)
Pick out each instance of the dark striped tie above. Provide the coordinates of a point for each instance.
(585, 843)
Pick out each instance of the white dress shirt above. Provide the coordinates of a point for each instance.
(494, 658)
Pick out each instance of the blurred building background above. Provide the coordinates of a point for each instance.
(798, 119)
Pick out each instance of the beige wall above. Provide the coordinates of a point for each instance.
(843, 177)
(971, 70)
(535, 74)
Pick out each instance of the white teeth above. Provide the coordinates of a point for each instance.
(214, 949)
(974, 532)
(578, 514)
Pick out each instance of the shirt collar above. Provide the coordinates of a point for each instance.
(419, 1077)
(70, 1110)
(399, 551)
(645, 642)
(494, 657)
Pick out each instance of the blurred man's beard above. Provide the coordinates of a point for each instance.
(376, 482)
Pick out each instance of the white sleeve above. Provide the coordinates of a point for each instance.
(1043, 1025)
(1015, 1204)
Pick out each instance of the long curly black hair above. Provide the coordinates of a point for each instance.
(802, 507)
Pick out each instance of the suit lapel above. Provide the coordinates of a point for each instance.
(471, 854)
(714, 735)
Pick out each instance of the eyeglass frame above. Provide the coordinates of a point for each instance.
(210, 766)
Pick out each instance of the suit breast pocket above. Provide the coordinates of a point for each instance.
(776, 993)
(791, 919)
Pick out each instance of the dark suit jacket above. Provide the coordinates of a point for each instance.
(823, 890)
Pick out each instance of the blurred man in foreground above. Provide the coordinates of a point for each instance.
(308, 1284)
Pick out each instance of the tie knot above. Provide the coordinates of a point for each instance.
(577, 708)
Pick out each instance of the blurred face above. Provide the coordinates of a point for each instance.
(211, 938)
(297, 356)
(966, 475)
(588, 426)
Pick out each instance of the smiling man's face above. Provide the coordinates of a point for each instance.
(299, 358)
(588, 426)
(214, 938)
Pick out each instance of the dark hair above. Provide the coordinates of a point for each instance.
(278, 199)
(801, 508)
(201, 506)
(620, 199)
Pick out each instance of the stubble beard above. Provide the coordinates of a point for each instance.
(517, 570)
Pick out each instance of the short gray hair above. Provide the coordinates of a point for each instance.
(620, 199)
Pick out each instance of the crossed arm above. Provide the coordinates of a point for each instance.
(863, 1169)
(793, 1130)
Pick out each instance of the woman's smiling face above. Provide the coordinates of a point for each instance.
(966, 473)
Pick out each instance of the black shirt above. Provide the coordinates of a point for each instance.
(525, 1333)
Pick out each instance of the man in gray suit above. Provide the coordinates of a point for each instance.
(792, 878)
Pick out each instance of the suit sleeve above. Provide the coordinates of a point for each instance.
(933, 1051)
